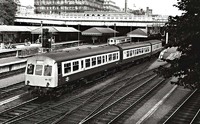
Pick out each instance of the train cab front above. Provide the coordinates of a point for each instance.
(40, 75)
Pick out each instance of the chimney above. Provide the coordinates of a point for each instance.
(125, 5)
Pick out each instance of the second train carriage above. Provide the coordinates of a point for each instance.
(56, 69)
(118, 40)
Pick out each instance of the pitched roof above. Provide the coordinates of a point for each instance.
(138, 33)
(12, 28)
(54, 29)
(98, 31)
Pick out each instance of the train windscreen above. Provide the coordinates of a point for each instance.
(47, 70)
(38, 70)
(30, 69)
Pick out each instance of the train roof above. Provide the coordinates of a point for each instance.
(138, 44)
(154, 41)
(120, 37)
(79, 53)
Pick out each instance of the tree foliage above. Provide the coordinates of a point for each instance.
(8, 10)
(184, 32)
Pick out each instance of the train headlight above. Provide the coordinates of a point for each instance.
(28, 82)
(47, 84)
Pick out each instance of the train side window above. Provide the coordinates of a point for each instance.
(114, 56)
(38, 70)
(103, 58)
(136, 51)
(81, 63)
(128, 53)
(106, 58)
(47, 70)
(131, 53)
(87, 63)
(67, 67)
(110, 57)
(117, 55)
(75, 66)
(94, 61)
(99, 60)
(30, 69)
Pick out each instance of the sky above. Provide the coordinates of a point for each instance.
(163, 7)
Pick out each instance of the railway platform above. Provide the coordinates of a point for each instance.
(13, 63)
(12, 80)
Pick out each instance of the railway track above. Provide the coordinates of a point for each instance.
(187, 112)
(90, 108)
(18, 111)
(110, 113)
(12, 90)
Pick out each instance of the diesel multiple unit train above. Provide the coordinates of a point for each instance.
(57, 70)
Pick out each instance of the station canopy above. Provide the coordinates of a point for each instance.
(8, 28)
(98, 31)
(54, 29)
(138, 33)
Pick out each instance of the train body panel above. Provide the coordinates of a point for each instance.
(41, 71)
(85, 66)
(134, 51)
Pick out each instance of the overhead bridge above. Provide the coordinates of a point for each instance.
(121, 19)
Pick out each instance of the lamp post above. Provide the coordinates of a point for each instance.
(78, 33)
(114, 30)
(41, 32)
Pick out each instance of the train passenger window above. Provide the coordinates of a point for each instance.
(81, 63)
(103, 58)
(99, 60)
(131, 53)
(114, 56)
(110, 57)
(67, 67)
(30, 69)
(117, 55)
(38, 70)
(47, 70)
(75, 66)
(94, 61)
(140, 51)
(87, 63)
(136, 51)
(128, 53)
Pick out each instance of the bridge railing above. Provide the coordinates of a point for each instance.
(162, 19)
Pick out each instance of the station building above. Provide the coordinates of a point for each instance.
(63, 6)
(71, 6)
